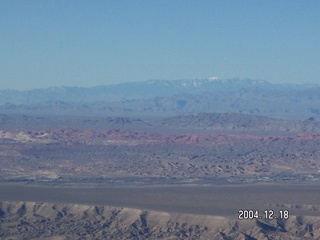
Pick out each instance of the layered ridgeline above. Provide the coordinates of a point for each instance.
(30, 220)
(168, 98)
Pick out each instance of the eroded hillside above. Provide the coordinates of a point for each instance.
(30, 220)
(72, 153)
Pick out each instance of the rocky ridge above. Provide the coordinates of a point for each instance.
(31, 220)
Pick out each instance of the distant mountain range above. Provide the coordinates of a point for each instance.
(170, 97)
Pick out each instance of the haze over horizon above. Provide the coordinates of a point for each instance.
(310, 84)
(85, 44)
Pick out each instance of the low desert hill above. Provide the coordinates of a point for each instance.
(234, 122)
(193, 123)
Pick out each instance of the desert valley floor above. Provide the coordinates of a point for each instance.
(184, 177)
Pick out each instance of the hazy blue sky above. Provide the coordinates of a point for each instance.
(85, 43)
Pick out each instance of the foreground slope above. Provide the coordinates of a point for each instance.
(31, 220)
